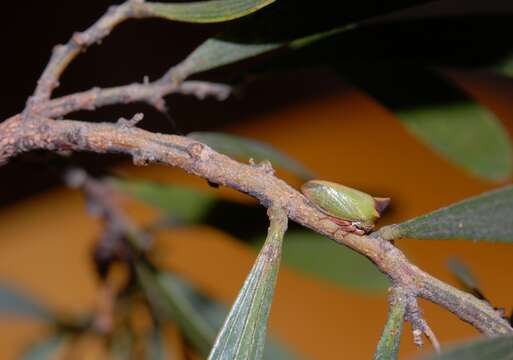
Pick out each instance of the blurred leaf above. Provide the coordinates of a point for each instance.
(244, 330)
(14, 302)
(205, 11)
(155, 348)
(315, 255)
(463, 273)
(214, 313)
(505, 67)
(244, 148)
(484, 217)
(122, 343)
(388, 346)
(44, 349)
(439, 113)
(184, 203)
(465, 277)
(167, 296)
(497, 348)
(467, 134)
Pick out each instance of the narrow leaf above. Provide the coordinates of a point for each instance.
(243, 333)
(312, 254)
(244, 148)
(214, 314)
(205, 11)
(122, 342)
(214, 53)
(484, 217)
(505, 67)
(155, 347)
(467, 134)
(14, 302)
(44, 349)
(439, 113)
(497, 348)
(388, 346)
(295, 24)
(184, 203)
(167, 297)
(463, 273)
(217, 52)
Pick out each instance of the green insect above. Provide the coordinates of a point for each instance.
(351, 209)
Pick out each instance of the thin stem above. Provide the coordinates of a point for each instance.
(63, 55)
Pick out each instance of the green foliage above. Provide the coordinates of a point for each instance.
(155, 345)
(168, 298)
(483, 147)
(206, 11)
(288, 23)
(439, 113)
(312, 254)
(214, 313)
(18, 304)
(182, 203)
(484, 217)
(498, 348)
(388, 346)
(463, 273)
(244, 330)
(214, 53)
(244, 148)
(44, 349)
(467, 134)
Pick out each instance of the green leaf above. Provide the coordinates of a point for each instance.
(155, 347)
(484, 217)
(45, 348)
(214, 314)
(14, 302)
(467, 134)
(315, 255)
(167, 297)
(463, 273)
(205, 11)
(497, 348)
(244, 148)
(505, 66)
(295, 23)
(243, 333)
(214, 53)
(388, 346)
(181, 202)
(466, 278)
(439, 113)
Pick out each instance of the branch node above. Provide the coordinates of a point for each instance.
(139, 158)
(80, 39)
(198, 151)
(264, 166)
(129, 123)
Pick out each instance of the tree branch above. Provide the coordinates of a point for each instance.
(63, 55)
(200, 160)
(151, 93)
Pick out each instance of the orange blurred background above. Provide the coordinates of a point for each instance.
(46, 241)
